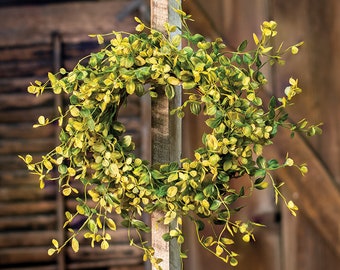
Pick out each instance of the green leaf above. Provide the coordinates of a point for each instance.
(231, 198)
(200, 225)
(233, 261)
(215, 205)
(140, 225)
(189, 85)
(242, 46)
(62, 169)
(195, 108)
(170, 91)
(273, 164)
(166, 237)
(92, 226)
(157, 175)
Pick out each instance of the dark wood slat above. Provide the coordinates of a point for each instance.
(13, 162)
(28, 222)
(29, 68)
(24, 100)
(27, 208)
(26, 53)
(26, 238)
(130, 255)
(35, 267)
(25, 131)
(20, 255)
(26, 146)
(26, 193)
(133, 264)
(17, 178)
(26, 115)
(18, 84)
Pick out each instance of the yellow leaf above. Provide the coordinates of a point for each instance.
(47, 164)
(173, 80)
(41, 120)
(71, 171)
(100, 39)
(28, 159)
(227, 241)
(219, 250)
(55, 243)
(130, 87)
(74, 111)
(104, 245)
(267, 49)
(51, 251)
(75, 245)
(80, 209)
(294, 50)
(256, 40)
(173, 233)
(246, 238)
(140, 27)
(111, 224)
(67, 191)
(172, 191)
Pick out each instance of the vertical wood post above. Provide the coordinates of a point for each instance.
(166, 138)
(57, 55)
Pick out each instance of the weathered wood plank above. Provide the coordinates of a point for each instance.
(26, 53)
(26, 267)
(129, 254)
(26, 115)
(26, 238)
(12, 162)
(25, 69)
(19, 255)
(28, 222)
(27, 208)
(17, 178)
(91, 17)
(17, 146)
(131, 262)
(26, 193)
(18, 84)
(24, 100)
(25, 131)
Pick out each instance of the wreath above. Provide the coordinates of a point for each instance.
(95, 151)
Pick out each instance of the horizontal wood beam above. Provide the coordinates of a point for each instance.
(74, 21)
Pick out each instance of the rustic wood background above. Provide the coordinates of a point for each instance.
(39, 37)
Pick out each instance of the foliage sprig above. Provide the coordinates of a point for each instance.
(95, 150)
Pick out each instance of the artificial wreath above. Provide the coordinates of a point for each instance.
(95, 151)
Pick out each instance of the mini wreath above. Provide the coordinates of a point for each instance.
(95, 152)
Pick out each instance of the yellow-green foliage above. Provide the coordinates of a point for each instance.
(95, 150)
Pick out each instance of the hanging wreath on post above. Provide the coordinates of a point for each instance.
(95, 151)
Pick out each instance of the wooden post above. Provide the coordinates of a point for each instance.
(166, 138)
(57, 57)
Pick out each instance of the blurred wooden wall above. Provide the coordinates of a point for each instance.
(311, 241)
